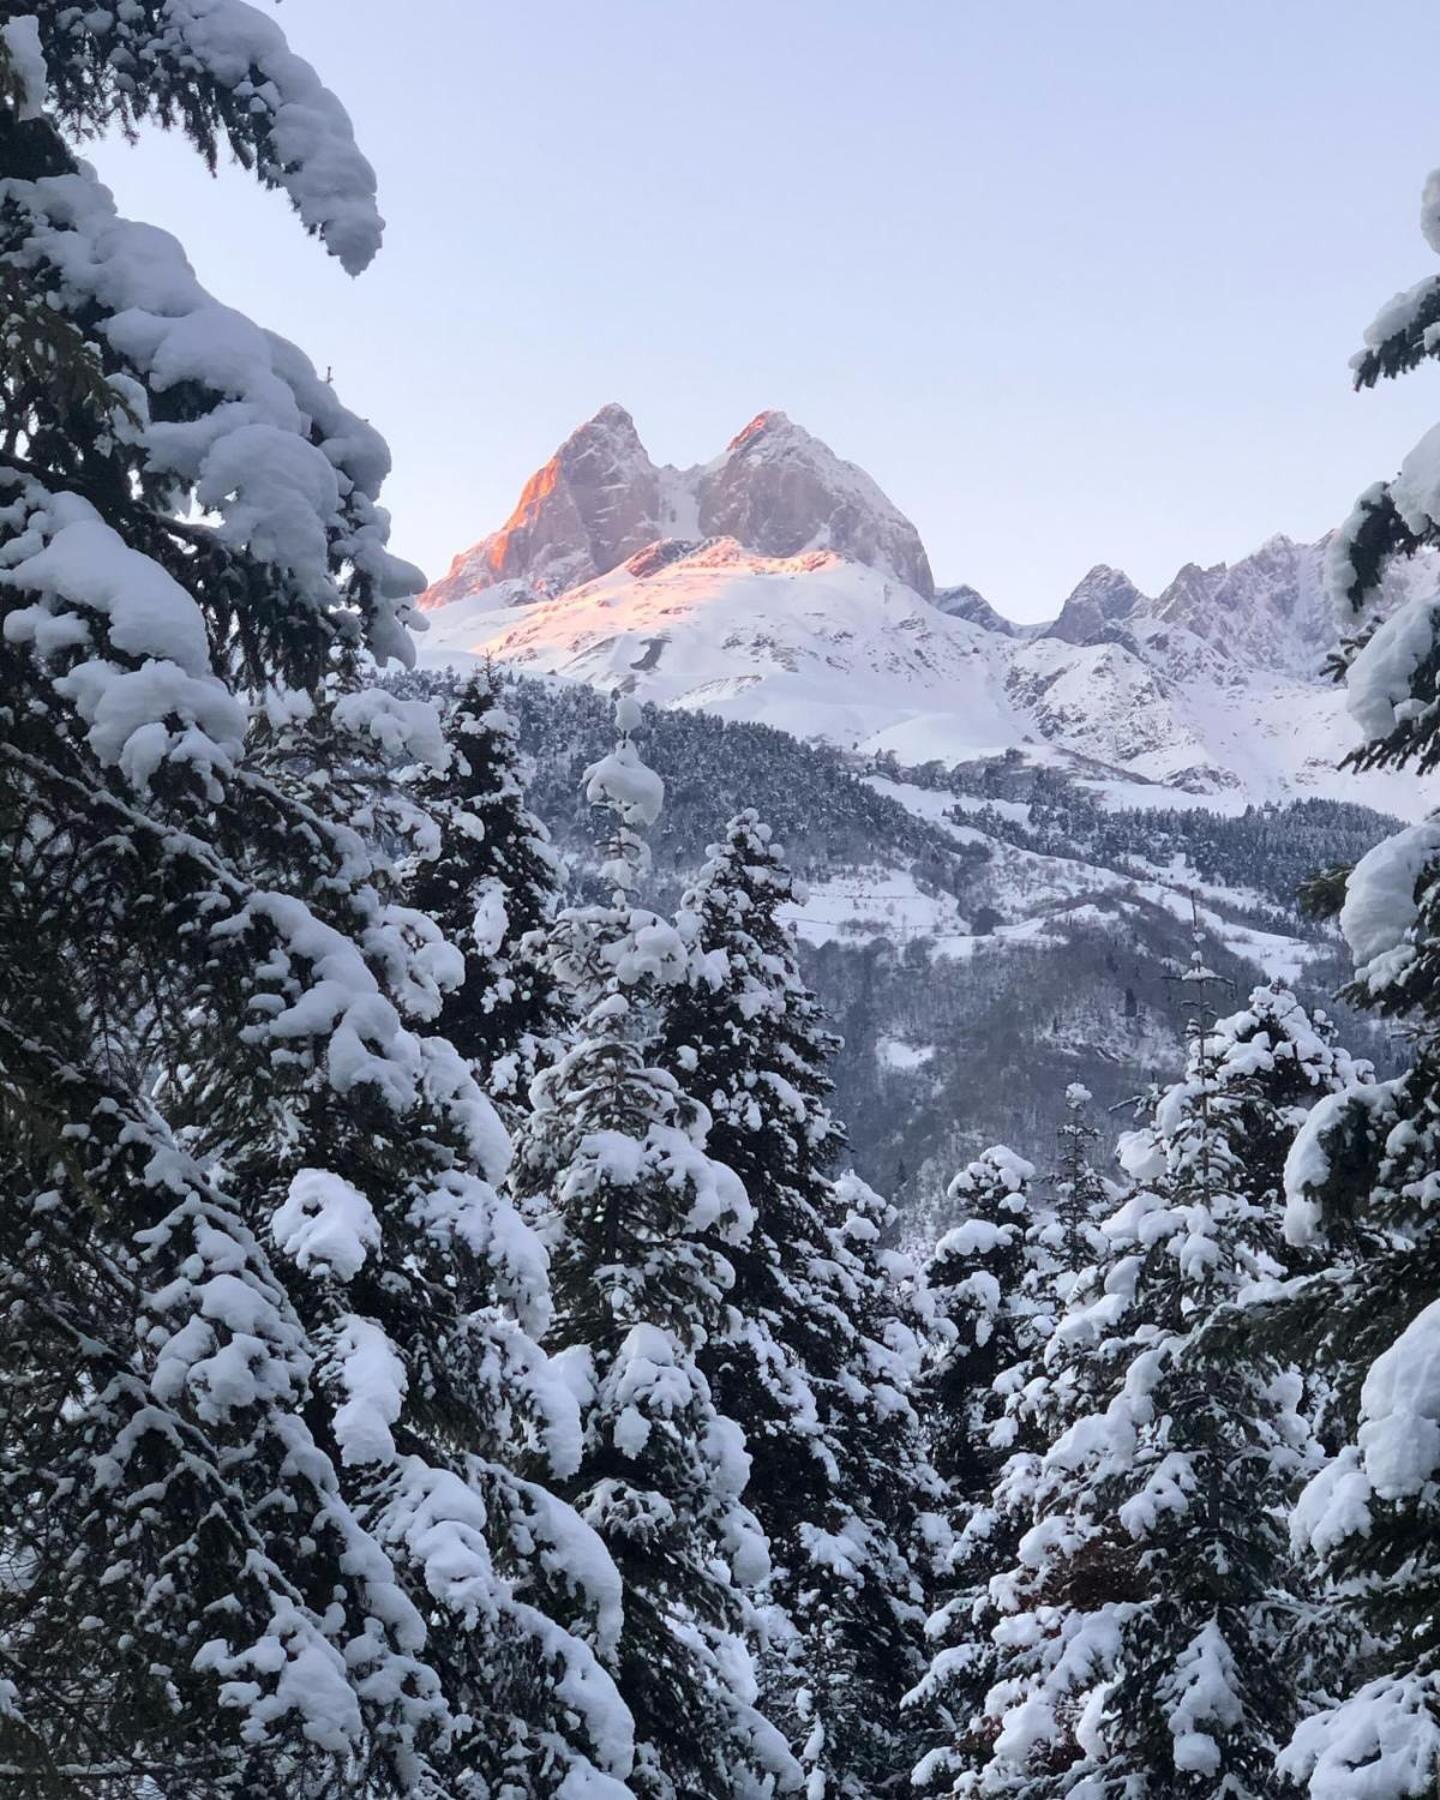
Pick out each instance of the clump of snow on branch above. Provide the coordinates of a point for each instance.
(1382, 1743)
(290, 473)
(326, 1224)
(1380, 903)
(1308, 1160)
(26, 60)
(621, 780)
(1206, 1701)
(409, 728)
(1399, 1436)
(1378, 682)
(306, 140)
(93, 589)
(372, 1378)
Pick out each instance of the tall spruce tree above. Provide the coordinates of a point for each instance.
(990, 1280)
(1079, 1198)
(1007, 1422)
(1200, 1454)
(814, 1355)
(1143, 1634)
(261, 1542)
(644, 1224)
(1362, 1175)
(490, 885)
(359, 1142)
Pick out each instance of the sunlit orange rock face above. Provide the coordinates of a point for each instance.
(776, 490)
(595, 502)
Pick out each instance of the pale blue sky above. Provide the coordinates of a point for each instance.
(1075, 280)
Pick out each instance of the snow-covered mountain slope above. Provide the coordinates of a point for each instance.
(1166, 705)
(827, 648)
(775, 489)
(815, 644)
(779, 584)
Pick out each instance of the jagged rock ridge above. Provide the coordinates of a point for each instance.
(1267, 611)
(775, 489)
(1105, 597)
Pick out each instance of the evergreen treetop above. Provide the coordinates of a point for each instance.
(489, 882)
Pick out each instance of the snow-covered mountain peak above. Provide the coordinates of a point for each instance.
(1268, 611)
(1103, 597)
(966, 602)
(781, 491)
(1189, 590)
(595, 502)
(775, 489)
(773, 427)
(611, 418)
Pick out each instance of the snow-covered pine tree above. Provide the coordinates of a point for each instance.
(372, 1165)
(815, 1355)
(1144, 1628)
(985, 1278)
(1024, 1406)
(1361, 1181)
(490, 884)
(1201, 1453)
(253, 1556)
(1079, 1198)
(199, 1606)
(1362, 1174)
(891, 1531)
(643, 1224)
(990, 1283)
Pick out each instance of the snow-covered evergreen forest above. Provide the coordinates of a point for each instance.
(447, 1347)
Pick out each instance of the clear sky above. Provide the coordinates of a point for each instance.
(1075, 280)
